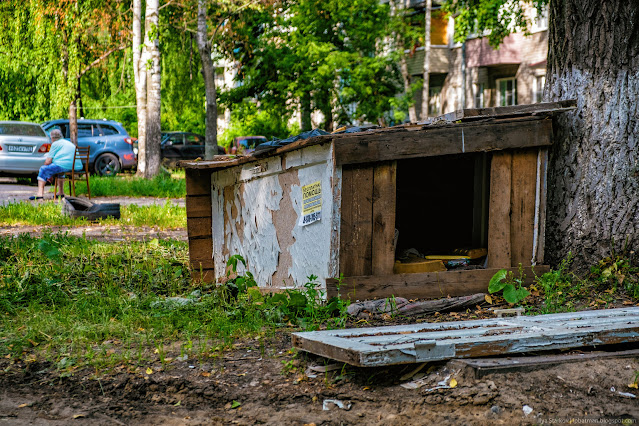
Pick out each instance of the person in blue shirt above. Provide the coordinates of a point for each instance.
(58, 160)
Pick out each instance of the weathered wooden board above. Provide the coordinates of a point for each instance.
(199, 224)
(198, 182)
(543, 194)
(522, 213)
(198, 206)
(379, 346)
(485, 366)
(426, 285)
(199, 227)
(443, 140)
(384, 206)
(356, 221)
(201, 253)
(506, 111)
(499, 210)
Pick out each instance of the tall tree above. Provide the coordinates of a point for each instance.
(593, 56)
(208, 73)
(139, 73)
(153, 88)
(593, 204)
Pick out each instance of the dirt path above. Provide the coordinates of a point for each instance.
(272, 388)
(100, 232)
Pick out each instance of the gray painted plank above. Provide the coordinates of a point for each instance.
(377, 346)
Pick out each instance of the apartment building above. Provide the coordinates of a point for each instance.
(473, 74)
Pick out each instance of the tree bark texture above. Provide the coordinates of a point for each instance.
(153, 81)
(425, 88)
(139, 74)
(593, 193)
(208, 73)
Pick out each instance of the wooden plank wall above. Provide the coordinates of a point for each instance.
(511, 221)
(426, 285)
(367, 229)
(199, 224)
(443, 140)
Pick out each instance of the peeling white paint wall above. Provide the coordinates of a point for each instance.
(257, 196)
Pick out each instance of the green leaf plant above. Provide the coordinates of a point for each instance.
(513, 291)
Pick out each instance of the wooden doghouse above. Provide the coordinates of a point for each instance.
(346, 204)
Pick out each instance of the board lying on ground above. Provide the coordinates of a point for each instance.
(405, 344)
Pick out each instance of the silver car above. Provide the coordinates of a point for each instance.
(23, 147)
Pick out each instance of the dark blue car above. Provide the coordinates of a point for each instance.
(112, 149)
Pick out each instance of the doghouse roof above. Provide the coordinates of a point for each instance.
(462, 131)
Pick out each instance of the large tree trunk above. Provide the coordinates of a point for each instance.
(153, 98)
(426, 86)
(139, 74)
(593, 199)
(208, 72)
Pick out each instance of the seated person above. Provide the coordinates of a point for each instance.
(58, 160)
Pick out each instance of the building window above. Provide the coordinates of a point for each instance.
(506, 91)
(538, 88)
(478, 94)
(434, 101)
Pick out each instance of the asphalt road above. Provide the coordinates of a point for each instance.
(11, 192)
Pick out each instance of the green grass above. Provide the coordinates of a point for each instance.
(76, 302)
(162, 186)
(164, 216)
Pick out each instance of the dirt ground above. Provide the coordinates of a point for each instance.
(270, 384)
(248, 386)
(100, 232)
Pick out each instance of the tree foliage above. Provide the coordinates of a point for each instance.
(329, 54)
(47, 46)
(495, 18)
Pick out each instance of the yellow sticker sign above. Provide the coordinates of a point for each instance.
(311, 203)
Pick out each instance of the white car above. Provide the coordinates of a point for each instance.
(23, 147)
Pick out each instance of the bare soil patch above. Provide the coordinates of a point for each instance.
(112, 233)
(269, 386)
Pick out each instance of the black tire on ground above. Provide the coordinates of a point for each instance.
(107, 165)
(80, 207)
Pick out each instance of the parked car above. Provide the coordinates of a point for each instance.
(183, 146)
(112, 149)
(23, 147)
(246, 144)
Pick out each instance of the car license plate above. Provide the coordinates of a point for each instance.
(20, 148)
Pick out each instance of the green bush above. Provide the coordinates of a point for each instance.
(246, 120)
